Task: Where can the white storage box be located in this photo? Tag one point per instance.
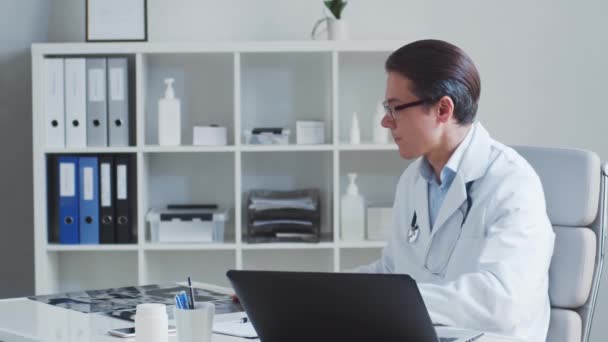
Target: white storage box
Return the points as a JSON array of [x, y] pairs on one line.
[[310, 132], [209, 136], [187, 225]]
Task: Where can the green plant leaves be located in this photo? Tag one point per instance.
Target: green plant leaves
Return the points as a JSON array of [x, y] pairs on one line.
[[335, 7]]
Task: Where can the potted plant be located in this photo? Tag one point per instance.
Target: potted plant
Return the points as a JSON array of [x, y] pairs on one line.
[[336, 7], [336, 26]]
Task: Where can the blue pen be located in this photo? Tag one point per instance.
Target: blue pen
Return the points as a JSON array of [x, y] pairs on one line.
[[178, 302], [182, 300]]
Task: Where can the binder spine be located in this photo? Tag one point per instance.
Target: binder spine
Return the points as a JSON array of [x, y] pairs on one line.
[[124, 226], [68, 200], [53, 199], [89, 200], [118, 102], [75, 102], [107, 222], [97, 111], [54, 105]]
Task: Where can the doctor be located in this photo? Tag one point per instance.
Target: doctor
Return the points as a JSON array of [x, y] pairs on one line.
[[470, 222]]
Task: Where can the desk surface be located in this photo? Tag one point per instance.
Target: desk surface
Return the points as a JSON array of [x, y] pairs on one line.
[[24, 320]]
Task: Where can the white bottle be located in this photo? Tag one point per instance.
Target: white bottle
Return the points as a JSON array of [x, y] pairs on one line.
[[151, 323], [380, 133], [352, 212], [355, 134], [169, 117]]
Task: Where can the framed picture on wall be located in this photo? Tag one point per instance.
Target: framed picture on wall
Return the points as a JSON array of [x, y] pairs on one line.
[[116, 20]]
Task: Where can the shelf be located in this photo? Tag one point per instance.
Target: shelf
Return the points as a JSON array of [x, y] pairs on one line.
[[189, 246], [351, 258], [287, 245], [186, 149], [209, 266], [367, 147], [306, 260], [361, 244], [202, 47], [182, 178], [360, 97], [285, 148], [377, 177], [87, 150], [91, 248], [93, 270], [202, 82], [239, 85]]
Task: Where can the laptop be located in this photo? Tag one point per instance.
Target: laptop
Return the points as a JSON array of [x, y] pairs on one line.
[[311, 306]]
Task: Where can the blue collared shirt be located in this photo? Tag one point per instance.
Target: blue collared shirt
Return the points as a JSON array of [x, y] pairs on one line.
[[436, 191]]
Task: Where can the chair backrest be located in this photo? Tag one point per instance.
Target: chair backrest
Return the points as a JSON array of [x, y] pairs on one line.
[[574, 182]]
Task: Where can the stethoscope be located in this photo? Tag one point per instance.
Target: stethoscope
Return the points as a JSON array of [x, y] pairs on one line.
[[414, 231]]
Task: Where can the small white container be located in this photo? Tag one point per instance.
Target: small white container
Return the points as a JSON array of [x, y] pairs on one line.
[[310, 132], [209, 136], [151, 323], [195, 325]]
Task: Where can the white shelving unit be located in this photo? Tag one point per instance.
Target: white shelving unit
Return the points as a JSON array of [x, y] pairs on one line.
[[239, 85]]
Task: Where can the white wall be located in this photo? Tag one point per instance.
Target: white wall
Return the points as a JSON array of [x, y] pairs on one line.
[[21, 23], [542, 62]]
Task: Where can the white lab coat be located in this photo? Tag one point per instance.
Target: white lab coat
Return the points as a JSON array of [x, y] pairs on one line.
[[491, 273]]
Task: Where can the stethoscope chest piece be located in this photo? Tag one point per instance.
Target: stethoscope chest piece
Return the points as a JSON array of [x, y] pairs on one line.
[[412, 234]]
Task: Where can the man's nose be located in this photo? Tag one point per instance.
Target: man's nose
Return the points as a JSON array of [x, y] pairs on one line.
[[387, 122]]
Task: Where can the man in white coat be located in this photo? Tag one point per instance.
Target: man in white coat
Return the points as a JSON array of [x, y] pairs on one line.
[[470, 221]]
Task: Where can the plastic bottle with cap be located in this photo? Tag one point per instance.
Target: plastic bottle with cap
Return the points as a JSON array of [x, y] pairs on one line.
[[380, 134], [169, 117], [352, 212], [355, 133], [151, 323]]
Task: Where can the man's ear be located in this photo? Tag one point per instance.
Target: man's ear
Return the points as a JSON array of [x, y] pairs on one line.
[[445, 109]]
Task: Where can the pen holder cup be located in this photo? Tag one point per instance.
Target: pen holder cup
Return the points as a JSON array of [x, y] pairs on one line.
[[195, 325]]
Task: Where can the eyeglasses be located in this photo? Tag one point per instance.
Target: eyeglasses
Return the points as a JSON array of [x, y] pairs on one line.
[[390, 111]]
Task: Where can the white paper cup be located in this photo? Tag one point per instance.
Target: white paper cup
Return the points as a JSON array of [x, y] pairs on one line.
[[195, 325]]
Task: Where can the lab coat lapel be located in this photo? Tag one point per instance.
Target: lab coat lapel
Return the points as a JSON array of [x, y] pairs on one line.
[[473, 165], [421, 206], [455, 197]]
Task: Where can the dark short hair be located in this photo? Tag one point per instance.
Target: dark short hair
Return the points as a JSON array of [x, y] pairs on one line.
[[436, 69]]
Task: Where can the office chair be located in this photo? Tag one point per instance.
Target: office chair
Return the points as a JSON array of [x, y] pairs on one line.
[[575, 184]]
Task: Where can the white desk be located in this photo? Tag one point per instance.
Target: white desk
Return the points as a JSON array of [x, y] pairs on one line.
[[24, 320]]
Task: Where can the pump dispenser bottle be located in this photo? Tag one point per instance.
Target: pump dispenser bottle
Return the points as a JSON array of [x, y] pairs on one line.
[[380, 134], [352, 212], [169, 117]]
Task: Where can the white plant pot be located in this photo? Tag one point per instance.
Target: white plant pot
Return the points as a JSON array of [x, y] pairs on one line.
[[337, 29]]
